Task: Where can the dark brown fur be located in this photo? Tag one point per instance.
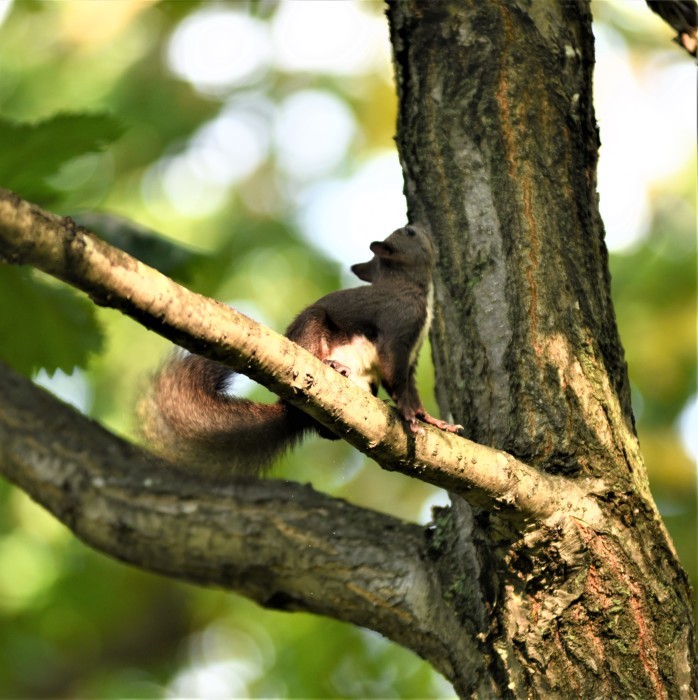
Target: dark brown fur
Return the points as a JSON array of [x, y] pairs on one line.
[[372, 334]]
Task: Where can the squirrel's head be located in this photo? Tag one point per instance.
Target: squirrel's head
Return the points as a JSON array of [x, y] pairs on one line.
[[407, 249]]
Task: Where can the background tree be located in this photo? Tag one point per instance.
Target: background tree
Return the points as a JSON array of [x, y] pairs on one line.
[[206, 274]]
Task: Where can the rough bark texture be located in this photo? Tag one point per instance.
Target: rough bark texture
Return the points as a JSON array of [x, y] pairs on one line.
[[281, 544], [499, 143]]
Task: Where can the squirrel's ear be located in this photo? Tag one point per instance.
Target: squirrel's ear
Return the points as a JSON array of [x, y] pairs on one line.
[[365, 271], [382, 249]]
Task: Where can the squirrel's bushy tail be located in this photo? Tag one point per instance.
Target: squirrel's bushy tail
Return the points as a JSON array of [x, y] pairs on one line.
[[188, 419]]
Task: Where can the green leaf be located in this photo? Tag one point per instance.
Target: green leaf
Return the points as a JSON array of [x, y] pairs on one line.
[[31, 153], [44, 325]]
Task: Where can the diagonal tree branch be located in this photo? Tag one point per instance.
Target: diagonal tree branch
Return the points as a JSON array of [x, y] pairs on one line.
[[348, 563], [486, 477]]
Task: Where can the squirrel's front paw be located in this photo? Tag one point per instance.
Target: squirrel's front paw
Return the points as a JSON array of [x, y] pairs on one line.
[[415, 426], [338, 366]]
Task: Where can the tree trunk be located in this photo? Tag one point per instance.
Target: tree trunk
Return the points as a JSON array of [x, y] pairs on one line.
[[498, 142]]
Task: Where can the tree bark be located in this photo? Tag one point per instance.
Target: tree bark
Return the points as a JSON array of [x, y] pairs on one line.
[[281, 544], [498, 142], [491, 478]]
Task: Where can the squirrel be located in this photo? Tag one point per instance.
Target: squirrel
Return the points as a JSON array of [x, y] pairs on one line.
[[371, 334]]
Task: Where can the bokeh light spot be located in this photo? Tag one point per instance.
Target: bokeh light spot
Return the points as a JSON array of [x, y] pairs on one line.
[[216, 49], [343, 216], [329, 37], [688, 428], [313, 132]]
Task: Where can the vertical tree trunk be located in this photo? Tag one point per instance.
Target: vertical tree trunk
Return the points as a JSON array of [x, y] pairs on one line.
[[498, 140]]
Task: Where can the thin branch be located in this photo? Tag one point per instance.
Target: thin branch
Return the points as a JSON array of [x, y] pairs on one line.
[[484, 476], [348, 563]]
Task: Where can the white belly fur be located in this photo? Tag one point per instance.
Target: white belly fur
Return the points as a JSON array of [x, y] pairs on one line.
[[361, 359], [360, 356]]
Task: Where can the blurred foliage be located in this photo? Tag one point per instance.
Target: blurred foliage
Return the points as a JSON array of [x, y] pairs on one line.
[[32, 154], [60, 314], [48, 146], [94, 124]]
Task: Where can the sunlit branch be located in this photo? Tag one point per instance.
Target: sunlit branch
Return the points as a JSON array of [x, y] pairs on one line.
[[485, 476]]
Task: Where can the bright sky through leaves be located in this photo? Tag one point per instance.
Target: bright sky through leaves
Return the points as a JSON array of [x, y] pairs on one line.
[[217, 49]]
